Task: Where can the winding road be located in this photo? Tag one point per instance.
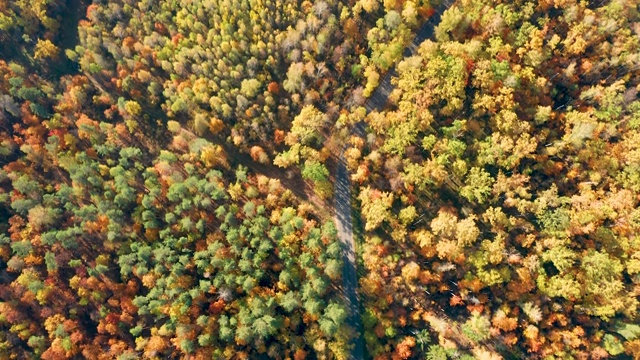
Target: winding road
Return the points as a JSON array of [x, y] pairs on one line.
[[342, 189]]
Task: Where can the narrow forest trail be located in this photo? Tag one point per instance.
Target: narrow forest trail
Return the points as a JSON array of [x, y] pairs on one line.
[[342, 189]]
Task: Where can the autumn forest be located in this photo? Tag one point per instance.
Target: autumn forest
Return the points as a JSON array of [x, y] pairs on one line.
[[319, 179]]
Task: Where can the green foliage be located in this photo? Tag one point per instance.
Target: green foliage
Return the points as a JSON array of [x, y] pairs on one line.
[[315, 171], [477, 328], [50, 261], [628, 331], [477, 186], [612, 345], [305, 128], [436, 352]]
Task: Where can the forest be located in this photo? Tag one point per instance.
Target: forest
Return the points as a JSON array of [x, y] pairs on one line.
[[319, 179]]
